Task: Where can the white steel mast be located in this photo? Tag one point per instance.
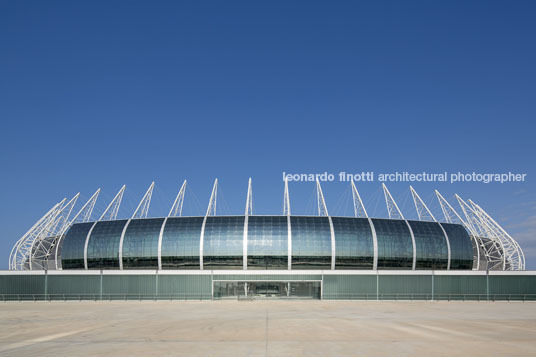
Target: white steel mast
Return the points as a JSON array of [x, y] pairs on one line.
[[176, 208]]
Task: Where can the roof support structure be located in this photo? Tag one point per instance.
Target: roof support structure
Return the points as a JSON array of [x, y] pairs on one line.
[[110, 213], [286, 212], [249, 200], [286, 200], [211, 210], [451, 216], [249, 211], [44, 243], [143, 207], [359, 207], [83, 215], [321, 203], [422, 210], [20, 253], [492, 248], [176, 208], [514, 258], [392, 207]]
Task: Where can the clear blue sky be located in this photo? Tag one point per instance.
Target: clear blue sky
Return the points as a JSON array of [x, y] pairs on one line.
[[104, 93]]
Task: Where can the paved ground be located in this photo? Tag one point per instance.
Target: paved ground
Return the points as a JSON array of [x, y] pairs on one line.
[[267, 328]]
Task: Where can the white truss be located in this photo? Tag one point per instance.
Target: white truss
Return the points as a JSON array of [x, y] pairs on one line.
[[19, 257], [321, 203], [211, 209], [514, 259], [249, 200], [83, 215], [43, 246], [489, 243], [392, 207], [359, 207], [286, 200], [451, 216], [143, 207], [422, 210], [110, 213], [176, 208]]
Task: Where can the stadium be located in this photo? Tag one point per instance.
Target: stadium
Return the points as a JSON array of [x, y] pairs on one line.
[[69, 255]]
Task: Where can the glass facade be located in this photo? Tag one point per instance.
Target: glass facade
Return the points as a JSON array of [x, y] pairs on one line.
[[140, 243], [103, 246], [430, 245], [461, 249], [72, 248], [180, 243], [395, 246], [354, 245], [223, 243], [311, 242], [267, 242]]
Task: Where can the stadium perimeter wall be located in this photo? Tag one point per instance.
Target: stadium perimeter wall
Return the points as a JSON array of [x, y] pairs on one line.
[[335, 285]]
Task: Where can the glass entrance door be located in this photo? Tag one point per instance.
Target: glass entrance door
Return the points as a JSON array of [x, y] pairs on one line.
[[267, 289]]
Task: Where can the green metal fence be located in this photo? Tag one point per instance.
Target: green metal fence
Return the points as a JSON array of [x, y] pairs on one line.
[[354, 286]]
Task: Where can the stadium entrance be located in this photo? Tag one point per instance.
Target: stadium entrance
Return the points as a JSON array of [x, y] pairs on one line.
[[267, 289]]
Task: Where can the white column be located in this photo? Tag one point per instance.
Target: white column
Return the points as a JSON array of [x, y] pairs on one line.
[[121, 244], [375, 244], [160, 243]]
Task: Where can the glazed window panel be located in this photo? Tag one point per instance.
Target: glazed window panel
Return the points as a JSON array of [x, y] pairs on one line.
[[180, 243], [223, 242], [395, 246], [461, 248], [430, 245], [311, 242], [72, 249], [140, 244], [103, 246], [354, 245], [267, 242]]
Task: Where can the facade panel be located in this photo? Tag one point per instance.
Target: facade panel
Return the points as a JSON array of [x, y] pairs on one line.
[[461, 249], [267, 242], [72, 249], [223, 242], [103, 246], [180, 243], [395, 246], [311, 242], [140, 244], [354, 247], [430, 245]]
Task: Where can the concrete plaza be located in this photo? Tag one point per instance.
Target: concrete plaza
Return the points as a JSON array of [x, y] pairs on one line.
[[267, 328]]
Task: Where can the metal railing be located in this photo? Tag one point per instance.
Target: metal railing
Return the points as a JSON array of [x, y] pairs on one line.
[[328, 296], [429, 296], [103, 297]]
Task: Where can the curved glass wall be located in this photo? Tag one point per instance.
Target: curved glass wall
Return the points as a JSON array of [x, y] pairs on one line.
[[395, 246], [430, 245], [267, 242], [223, 242], [180, 243], [461, 248], [354, 245], [72, 246], [140, 243], [103, 246], [311, 242]]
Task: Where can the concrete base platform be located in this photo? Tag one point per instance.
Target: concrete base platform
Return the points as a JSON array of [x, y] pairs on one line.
[[267, 328]]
